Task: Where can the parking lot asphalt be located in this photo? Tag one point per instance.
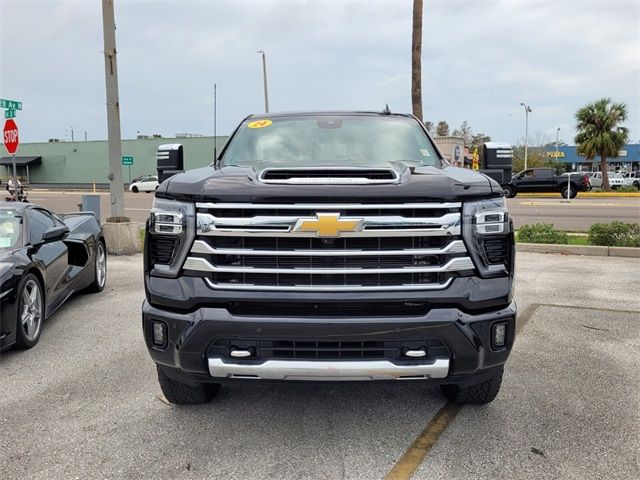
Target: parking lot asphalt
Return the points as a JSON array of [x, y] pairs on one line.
[[85, 403], [575, 216]]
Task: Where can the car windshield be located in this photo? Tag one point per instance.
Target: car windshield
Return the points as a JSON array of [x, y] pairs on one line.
[[330, 140], [10, 228]]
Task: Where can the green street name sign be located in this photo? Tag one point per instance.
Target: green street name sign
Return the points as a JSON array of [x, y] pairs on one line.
[[10, 104], [127, 161], [9, 113]]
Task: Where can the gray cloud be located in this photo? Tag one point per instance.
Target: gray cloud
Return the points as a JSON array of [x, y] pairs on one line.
[[481, 59]]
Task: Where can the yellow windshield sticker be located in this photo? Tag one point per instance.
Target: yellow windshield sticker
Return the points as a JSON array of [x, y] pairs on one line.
[[259, 123]]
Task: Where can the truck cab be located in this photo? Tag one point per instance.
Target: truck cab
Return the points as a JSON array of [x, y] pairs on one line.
[[535, 179]]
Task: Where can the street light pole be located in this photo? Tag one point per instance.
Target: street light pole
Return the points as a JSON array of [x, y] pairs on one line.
[[264, 78], [557, 133], [527, 109]]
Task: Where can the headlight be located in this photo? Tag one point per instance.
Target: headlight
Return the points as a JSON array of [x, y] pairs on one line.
[[170, 232], [487, 230]]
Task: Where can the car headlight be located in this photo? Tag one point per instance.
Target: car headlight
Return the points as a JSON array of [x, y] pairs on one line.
[[170, 232], [488, 233]]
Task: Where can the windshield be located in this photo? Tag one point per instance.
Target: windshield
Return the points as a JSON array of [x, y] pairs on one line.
[[326, 140], [10, 228]]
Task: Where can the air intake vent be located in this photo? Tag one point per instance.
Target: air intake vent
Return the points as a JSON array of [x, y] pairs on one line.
[[328, 176], [496, 250], [162, 248]]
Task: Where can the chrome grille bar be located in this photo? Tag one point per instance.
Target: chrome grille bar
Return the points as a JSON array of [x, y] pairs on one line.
[[456, 246], [372, 226], [320, 207], [453, 265], [327, 288], [400, 232]]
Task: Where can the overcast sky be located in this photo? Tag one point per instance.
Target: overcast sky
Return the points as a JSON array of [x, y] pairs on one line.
[[480, 60]]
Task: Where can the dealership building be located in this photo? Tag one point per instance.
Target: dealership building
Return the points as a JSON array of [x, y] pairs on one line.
[[628, 159], [84, 163]]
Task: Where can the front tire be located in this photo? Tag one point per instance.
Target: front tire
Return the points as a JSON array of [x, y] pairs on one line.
[[100, 269], [476, 394], [134, 189], [509, 191], [30, 312], [183, 394]]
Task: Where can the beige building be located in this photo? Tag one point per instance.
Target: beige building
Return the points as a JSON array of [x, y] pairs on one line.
[[452, 148]]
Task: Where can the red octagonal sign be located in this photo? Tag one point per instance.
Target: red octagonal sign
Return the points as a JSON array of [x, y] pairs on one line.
[[10, 136]]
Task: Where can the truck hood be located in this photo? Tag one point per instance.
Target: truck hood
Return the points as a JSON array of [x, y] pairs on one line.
[[242, 184]]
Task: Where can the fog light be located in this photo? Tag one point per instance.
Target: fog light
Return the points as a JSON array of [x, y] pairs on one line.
[[242, 353], [159, 334], [414, 352], [499, 335]]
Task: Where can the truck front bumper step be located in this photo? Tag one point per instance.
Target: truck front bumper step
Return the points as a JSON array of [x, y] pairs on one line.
[[329, 370]]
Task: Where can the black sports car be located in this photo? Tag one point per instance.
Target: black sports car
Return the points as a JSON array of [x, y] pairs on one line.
[[44, 259]]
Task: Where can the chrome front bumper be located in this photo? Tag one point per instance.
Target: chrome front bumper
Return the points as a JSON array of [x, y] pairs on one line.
[[329, 371]]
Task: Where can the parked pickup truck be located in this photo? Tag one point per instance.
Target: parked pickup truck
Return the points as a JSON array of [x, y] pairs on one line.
[[329, 247], [632, 179], [546, 180], [616, 180]]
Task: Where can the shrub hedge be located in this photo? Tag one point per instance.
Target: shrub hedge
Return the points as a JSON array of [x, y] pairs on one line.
[[615, 234], [541, 233]]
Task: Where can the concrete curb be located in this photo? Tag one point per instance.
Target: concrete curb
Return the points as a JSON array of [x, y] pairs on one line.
[[591, 250], [581, 194]]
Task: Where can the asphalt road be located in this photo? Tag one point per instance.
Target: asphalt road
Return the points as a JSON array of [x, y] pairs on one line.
[[84, 402], [575, 216]]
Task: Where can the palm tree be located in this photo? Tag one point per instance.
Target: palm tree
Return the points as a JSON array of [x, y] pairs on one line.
[[416, 60], [600, 132]]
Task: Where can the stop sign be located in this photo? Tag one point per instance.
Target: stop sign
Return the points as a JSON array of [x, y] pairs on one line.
[[10, 136]]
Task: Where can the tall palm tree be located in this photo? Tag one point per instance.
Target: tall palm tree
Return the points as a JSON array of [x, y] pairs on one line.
[[600, 132], [416, 60]]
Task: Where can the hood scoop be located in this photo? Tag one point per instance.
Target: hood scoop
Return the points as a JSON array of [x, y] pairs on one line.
[[328, 176]]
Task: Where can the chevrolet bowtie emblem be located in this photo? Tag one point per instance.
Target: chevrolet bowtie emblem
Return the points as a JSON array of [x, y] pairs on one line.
[[328, 225]]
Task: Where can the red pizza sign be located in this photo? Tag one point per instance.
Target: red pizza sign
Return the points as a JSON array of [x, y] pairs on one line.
[[10, 136]]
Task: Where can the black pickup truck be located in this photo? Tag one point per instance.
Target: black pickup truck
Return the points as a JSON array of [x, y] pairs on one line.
[[329, 247], [546, 180]]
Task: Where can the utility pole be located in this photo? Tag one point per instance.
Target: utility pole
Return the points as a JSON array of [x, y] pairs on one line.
[[557, 134], [264, 78], [71, 133], [116, 185], [527, 110]]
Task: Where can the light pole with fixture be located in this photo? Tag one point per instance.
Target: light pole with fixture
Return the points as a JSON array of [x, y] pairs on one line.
[[264, 78], [557, 133], [527, 109]]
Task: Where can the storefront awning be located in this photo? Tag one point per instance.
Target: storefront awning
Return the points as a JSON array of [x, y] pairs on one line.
[[21, 161]]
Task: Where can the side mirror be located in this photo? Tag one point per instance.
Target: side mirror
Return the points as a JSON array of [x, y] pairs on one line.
[[169, 161], [55, 233]]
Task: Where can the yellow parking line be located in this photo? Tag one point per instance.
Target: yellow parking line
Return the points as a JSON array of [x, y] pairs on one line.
[[578, 204], [413, 457]]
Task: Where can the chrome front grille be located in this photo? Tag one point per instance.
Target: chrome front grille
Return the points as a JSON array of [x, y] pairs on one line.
[[328, 247]]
